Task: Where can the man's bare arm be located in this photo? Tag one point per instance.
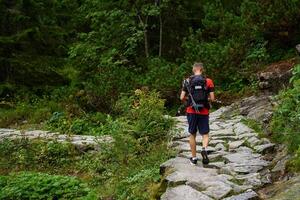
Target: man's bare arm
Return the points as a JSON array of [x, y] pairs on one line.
[[182, 95], [212, 96]]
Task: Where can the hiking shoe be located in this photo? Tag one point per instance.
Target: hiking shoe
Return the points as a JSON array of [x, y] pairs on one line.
[[193, 161], [205, 159]]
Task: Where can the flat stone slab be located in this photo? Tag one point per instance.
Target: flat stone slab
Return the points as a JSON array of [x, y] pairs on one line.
[[222, 132], [248, 195], [264, 147], [82, 142], [241, 128], [235, 144], [184, 192], [236, 162]]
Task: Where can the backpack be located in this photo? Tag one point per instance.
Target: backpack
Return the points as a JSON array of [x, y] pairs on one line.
[[198, 91]]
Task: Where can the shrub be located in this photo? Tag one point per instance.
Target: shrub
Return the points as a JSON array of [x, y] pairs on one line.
[[285, 121], [26, 154], [144, 112], [30, 185]]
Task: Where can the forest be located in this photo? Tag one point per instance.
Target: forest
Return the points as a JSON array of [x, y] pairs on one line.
[[102, 67]]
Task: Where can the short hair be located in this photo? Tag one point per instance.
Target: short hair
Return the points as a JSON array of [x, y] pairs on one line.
[[198, 64]]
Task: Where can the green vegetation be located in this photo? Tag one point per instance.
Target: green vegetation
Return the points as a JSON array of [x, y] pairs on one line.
[[31, 185], [82, 55], [71, 66], [285, 122], [256, 126], [125, 169]]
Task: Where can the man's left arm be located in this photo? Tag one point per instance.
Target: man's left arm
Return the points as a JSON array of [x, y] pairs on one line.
[[211, 89]]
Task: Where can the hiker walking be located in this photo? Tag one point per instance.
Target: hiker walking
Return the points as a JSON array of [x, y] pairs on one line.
[[199, 92]]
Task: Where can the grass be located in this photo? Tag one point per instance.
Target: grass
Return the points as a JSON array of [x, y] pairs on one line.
[[256, 126], [127, 169]]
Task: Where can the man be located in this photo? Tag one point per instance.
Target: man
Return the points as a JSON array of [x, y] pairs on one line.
[[200, 92]]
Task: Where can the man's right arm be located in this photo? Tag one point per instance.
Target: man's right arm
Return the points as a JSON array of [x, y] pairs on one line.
[[183, 91], [182, 95], [212, 96]]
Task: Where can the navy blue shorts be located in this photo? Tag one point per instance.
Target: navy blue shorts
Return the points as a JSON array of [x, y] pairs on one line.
[[198, 123]]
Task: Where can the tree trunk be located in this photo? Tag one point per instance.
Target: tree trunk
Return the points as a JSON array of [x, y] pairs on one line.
[[160, 35], [144, 24], [146, 43]]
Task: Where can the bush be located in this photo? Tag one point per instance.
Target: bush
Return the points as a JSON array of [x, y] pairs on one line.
[[144, 112], [39, 155], [285, 122], [30, 185]]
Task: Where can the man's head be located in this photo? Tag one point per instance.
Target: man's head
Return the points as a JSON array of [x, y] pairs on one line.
[[198, 68]]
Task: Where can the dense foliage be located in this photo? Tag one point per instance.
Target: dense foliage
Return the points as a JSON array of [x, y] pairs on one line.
[[72, 66], [43, 186], [128, 168], [286, 120], [94, 50]]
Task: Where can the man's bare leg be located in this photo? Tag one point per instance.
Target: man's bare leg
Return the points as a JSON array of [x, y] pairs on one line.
[[205, 139], [193, 144]]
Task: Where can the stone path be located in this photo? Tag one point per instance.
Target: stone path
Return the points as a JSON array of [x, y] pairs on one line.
[[82, 142], [237, 166]]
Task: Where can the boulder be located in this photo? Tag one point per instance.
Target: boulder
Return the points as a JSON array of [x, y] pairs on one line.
[[184, 192], [235, 144], [248, 195], [298, 48], [264, 147], [276, 76]]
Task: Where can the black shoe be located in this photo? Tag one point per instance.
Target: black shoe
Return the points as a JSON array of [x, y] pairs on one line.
[[205, 159], [193, 161]]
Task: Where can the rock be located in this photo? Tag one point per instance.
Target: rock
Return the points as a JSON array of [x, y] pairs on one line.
[[216, 165], [218, 190], [298, 48], [241, 128], [82, 142], [241, 168], [224, 137], [232, 173], [214, 127], [235, 144], [222, 132], [248, 195], [257, 108], [247, 135], [275, 76], [184, 192], [281, 165], [284, 190], [253, 141], [180, 132], [244, 162], [245, 158], [215, 142], [264, 148], [280, 160], [4, 130], [220, 147], [218, 113], [252, 179]]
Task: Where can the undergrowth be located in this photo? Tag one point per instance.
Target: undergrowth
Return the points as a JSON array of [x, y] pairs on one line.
[[285, 123], [127, 169]]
